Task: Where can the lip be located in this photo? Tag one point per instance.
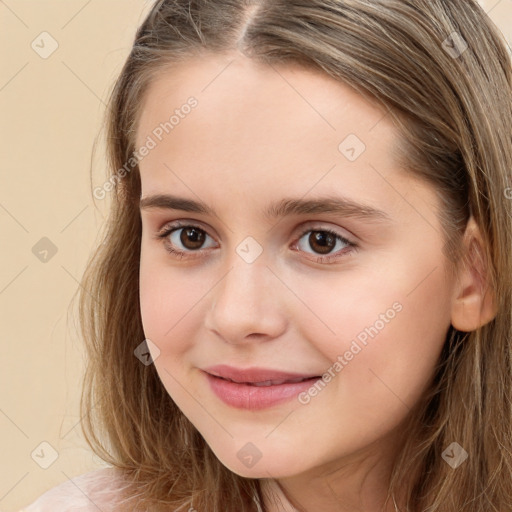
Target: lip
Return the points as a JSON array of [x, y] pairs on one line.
[[254, 374], [239, 387]]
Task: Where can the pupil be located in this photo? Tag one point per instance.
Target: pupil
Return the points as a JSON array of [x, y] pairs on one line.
[[325, 241], [193, 235]]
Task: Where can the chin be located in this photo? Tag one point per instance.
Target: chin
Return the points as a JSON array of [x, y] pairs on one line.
[[248, 464]]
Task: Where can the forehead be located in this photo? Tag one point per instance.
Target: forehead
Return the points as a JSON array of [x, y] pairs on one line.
[[258, 128], [272, 96]]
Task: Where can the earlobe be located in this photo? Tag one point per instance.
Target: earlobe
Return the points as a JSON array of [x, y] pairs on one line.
[[473, 303]]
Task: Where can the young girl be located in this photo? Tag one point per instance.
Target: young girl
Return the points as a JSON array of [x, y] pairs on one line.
[[303, 297]]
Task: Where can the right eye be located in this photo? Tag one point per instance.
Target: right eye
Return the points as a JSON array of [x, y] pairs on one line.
[[190, 237]]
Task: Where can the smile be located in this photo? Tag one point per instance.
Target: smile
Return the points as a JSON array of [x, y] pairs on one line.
[[256, 388]]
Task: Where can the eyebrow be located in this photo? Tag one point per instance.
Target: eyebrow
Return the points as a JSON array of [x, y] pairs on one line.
[[288, 206]]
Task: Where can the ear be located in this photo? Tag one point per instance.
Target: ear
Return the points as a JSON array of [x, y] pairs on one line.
[[473, 302]]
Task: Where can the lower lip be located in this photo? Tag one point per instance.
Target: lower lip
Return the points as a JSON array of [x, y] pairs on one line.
[[245, 396]]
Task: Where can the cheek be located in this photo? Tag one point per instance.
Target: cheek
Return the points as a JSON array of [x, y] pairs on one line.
[[387, 325], [167, 301], [171, 309]]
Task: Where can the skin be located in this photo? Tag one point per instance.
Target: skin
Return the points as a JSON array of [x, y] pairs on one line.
[[260, 134]]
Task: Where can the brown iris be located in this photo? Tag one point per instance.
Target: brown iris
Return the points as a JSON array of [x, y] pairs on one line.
[[192, 238], [323, 240]]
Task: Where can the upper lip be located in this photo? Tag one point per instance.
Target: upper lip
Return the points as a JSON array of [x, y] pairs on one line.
[[255, 374]]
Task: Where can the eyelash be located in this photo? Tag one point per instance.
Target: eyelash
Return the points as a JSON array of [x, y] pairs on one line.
[[169, 229]]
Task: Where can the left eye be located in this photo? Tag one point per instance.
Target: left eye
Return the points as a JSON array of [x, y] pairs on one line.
[[324, 241]]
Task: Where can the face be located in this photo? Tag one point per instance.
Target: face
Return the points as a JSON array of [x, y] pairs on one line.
[[314, 257]]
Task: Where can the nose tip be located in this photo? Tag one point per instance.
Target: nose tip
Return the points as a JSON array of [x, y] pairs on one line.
[[245, 306], [237, 338]]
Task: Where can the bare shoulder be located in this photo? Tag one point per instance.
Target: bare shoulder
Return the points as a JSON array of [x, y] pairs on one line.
[[99, 489]]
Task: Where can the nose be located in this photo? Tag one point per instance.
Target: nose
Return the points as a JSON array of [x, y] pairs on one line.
[[247, 304]]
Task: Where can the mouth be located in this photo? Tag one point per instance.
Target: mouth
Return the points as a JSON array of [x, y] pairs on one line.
[[256, 388], [257, 376], [267, 383]]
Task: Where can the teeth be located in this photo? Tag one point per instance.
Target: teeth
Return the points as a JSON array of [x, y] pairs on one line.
[[276, 382], [266, 383], [269, 382]]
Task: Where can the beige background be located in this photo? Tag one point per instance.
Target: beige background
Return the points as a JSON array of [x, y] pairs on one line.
[[51, 113]]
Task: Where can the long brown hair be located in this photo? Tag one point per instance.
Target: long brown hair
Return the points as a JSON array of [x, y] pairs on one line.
[[443, 71]]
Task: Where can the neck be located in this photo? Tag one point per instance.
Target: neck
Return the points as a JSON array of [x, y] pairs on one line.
[[359, 483]]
